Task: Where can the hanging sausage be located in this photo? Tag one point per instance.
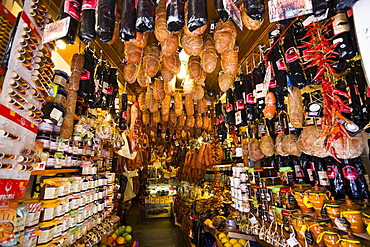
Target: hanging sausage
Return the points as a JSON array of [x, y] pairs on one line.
[[145, 16], [127, 29], [87, 24], [106, 20]]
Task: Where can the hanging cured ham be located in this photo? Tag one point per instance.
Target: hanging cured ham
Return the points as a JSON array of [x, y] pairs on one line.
[[161, 32], [225, 36], [229, 61], [141, 40], [130, 71], [133, 54], [170, 86], [198, 92], [202, 106], [167, 75], [195, 69], [158, 91], [170, 45], [189, 106], [142, 79], [172, 63], [209, 56], [192, 45], [151, 62], [188, 86], [150, 102], [225, 81], [179, 106]]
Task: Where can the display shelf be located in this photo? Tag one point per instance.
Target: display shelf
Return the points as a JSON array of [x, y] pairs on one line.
[[55, 171]]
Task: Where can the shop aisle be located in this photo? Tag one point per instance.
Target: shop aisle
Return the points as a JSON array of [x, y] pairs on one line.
[[154, 232]]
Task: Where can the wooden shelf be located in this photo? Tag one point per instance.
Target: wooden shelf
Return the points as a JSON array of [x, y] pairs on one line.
[[54, 171]]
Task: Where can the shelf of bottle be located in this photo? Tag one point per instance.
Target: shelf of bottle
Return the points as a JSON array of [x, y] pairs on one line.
[[54, 171]]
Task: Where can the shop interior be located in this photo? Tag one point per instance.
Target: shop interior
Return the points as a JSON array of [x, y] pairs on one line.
[[172, 123]]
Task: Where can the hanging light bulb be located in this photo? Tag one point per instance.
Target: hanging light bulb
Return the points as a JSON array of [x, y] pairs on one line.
[[183, 70]]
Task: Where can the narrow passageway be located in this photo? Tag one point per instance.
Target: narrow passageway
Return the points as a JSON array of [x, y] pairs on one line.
[[160, 232]]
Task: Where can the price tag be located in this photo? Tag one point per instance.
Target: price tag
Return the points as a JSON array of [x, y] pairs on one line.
[[292, 241], [56, 30], [253, 220]]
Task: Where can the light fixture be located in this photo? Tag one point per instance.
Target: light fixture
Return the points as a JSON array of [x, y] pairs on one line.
[[183, 56], [60, 44], [183, 70]]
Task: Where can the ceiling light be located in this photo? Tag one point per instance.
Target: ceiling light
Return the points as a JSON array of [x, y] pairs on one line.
[[183, 56], [183, 70], [60, 44]]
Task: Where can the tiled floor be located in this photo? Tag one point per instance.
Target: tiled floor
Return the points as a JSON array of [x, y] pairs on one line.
[[154, 232]]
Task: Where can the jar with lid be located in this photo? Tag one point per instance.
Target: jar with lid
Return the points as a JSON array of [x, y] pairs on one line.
[[287, 198], [301, 196], [317, 197], [49, 189], [366, 216], [352, 212], [269, 195], [30, 236], [58, 230], [286, 175], [278, 202], [350, 241], [279, 215], [332, 209], [286, 215], [315, 224], [46, 232], [258, 174], [297, 221], [330, 236], [73, 218]]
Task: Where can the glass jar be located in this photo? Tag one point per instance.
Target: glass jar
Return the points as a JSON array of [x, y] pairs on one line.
[[279, 215], [277, 196], [46, 232], [286, 175], [287, 198]]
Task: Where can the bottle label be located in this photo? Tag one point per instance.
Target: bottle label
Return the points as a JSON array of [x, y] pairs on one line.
[[310, 174], [229, 107], [340, 24], [240, 104], [332, 172], [89, 4], [238, 118], [323, 178], [85, 75], [298, 171], [291, 55], [56, 114], [73, 8], [350, 172], [250, 98], [107, 88], [280, 64]]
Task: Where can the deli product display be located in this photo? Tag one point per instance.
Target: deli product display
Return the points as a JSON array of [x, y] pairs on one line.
[[230, 123]]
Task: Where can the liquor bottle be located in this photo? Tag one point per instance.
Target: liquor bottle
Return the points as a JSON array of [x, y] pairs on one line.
[[123, 119], [322, 175], [361, 181], [336, 178], [240, 113], [249, 98], [220, 123], [350, 178], [342, 37], [167, 136], [230, 107], [70, 9]]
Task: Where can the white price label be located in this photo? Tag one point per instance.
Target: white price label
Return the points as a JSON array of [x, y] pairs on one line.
[[253, 220]]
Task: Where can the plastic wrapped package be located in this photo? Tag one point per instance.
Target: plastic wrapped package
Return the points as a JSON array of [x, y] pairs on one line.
[[87, 84], [175, 15], [106, 19], [127, 29], [197, 14], [87, 24], [221, 11], [343, 5], [145, 16], [255, 9]]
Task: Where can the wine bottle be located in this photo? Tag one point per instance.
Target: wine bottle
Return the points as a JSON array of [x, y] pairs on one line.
[[220, 123], [70, 9], [350, 177], [230, 107], [249, 98], [240, 113], [342, 37], [123, 119], [322, 175], [336, 178], [361, 181]]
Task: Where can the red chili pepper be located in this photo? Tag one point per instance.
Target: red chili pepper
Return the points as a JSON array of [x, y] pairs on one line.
[[339, 92], [334, 154]]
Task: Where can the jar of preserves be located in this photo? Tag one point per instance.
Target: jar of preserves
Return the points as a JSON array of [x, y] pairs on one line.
[[317, 197], [331, 207], [350, 241], [286, 175], [352, 212], [287, 198], [366, 216], [297, 221], [278, 200], [301, 196], [330, 236], [315, 224]]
